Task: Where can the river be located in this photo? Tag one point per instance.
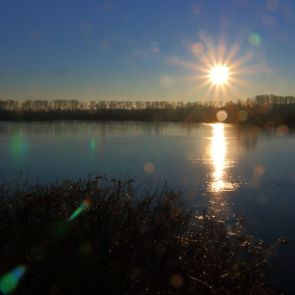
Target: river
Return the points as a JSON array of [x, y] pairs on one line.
[[244, 171]]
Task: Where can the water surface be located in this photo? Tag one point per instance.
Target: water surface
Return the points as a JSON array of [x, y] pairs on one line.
[[242, 171]]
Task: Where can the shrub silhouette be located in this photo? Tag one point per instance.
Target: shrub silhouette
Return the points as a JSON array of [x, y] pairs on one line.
[[118, 243]]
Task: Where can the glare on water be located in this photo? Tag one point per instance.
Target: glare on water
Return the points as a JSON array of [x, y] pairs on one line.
[[220, 160]]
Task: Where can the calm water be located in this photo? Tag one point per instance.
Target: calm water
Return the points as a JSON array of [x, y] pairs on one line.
[[247, 172]]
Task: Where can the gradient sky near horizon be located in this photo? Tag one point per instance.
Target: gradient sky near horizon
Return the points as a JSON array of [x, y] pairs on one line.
[[137, 49]]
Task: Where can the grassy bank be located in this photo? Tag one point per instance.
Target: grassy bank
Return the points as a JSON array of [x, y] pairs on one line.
[[98, 237]]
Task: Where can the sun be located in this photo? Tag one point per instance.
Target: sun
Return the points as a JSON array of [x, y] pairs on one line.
[[219, 75]]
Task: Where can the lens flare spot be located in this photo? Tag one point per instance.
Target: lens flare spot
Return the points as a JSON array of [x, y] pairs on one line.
[[242, 116], [259, 171], [221, 115], [282, 130], [255, 39], [84, 206], [197, 48], [176, 281], [92, 144], [18, 146], [149, 168], [9, 281]]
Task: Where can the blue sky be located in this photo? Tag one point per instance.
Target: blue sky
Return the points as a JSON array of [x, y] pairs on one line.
[[127, 49]]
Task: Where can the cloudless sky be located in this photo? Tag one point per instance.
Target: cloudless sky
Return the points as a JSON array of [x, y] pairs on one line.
[[143, 49]]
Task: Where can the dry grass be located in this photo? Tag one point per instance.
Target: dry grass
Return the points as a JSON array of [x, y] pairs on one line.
[[120, 244]]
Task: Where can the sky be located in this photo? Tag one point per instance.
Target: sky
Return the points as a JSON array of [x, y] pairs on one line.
[[145, 49]]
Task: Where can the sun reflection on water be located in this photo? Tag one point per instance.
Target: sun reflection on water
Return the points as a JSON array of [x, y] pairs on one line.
[[219, 158], [218, 153]]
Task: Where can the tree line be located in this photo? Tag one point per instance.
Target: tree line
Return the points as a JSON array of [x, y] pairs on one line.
[[79, 105], [259, 110], [76, 105]]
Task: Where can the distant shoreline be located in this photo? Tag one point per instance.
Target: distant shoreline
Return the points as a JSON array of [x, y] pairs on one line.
[[277, 116], [263, 111]]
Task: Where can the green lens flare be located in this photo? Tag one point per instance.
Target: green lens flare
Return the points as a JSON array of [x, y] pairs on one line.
[[9, 281], [18, 145], [255, 39], [85, 205], [93, 145]]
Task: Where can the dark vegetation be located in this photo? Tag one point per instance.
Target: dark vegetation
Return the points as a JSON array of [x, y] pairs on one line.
[[263, 110], [117, 243]]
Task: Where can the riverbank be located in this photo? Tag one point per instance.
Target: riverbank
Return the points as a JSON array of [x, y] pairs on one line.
[[266, 111], [265, 116], [98, 236]]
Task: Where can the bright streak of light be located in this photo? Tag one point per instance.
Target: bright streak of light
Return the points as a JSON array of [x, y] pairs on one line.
[[10, 280], [84, 206], [218, 154]]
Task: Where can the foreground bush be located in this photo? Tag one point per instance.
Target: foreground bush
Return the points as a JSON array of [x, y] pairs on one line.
[[96, 237]]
